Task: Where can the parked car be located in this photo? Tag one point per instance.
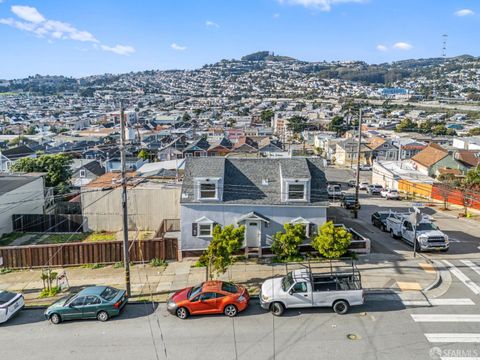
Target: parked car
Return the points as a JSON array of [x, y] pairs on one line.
[[334, 192], [302, 288], [363, 186], [94, 302], [210, 297], [365, 167], [374, 189], [379, 219], [390, 194], [349, 201], [427, 235], [352, 183], [10, 304]]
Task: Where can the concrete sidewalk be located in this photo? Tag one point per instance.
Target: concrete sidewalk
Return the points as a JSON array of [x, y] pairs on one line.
[[380, 273]]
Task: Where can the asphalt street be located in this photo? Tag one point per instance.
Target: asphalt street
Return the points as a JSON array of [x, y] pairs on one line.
[[386, 327]]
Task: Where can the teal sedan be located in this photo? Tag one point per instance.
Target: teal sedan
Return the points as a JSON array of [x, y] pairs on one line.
[[96, 302]]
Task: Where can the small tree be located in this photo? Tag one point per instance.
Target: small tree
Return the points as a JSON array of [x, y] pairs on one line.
[[56, 166], [286, 244], [143, 154], [218, 256], [332, 242]]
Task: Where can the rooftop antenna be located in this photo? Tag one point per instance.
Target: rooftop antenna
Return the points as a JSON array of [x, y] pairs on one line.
[[444, 46]]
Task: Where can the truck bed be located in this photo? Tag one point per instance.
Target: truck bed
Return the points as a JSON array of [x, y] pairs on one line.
[[338, 281]]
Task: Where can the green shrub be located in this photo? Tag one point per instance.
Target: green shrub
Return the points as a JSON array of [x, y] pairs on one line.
[[332, 242], [118, 264], [158, 262], [49, 292], [286, 244], [93, 266], [5, 270]]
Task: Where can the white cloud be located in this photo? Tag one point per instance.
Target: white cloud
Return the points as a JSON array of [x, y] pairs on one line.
[[323, 5], [177, 47], [119, 49], [381, 47], [211, 24], [33, 21], [464, 12], [402, 46], [27, 13], [276, 15]]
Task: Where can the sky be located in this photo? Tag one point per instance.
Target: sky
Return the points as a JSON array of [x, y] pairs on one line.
[[87, 37]]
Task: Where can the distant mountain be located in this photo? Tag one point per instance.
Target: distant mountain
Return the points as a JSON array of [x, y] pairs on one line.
[[265, 56]]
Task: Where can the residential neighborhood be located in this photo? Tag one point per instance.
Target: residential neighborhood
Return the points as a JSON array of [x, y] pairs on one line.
[[169, 190]]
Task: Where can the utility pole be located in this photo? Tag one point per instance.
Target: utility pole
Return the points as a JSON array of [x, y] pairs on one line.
[[357, 182], [126, 258]]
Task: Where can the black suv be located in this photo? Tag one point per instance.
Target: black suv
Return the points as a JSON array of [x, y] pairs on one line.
[[379, 219], [349, 201]]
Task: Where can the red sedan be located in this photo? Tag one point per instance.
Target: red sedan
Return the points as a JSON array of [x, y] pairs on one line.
[[210, 297]]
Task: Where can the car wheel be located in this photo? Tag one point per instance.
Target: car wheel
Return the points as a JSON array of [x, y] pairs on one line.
[[102, 316], [55, 319], [392, 234], [382, 227], [230, 310], [444, 250], [277, 308], [182, 313], [418, 248], [340, 307]]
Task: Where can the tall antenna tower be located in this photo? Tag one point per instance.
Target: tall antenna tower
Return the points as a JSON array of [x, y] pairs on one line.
[[444, 46]]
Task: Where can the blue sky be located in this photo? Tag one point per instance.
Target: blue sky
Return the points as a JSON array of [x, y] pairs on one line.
[[78, 38]]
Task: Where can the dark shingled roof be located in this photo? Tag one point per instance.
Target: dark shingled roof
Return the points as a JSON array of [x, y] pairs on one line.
[[10, 183], [244, 179]]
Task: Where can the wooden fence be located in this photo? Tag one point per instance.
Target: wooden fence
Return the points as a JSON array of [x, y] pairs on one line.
[[47, 223], [71, 254]]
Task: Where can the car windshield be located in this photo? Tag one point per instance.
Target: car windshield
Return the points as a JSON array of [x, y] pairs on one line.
[[109, 293], [194, 291], [65, 299], [384, 216], [229, 287], [426, 227], [287, 282]]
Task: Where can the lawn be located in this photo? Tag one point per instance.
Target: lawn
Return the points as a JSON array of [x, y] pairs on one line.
[[7, 239], [101, 236], [64, 238]]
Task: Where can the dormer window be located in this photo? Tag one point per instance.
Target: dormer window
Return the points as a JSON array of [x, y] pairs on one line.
[[208, 189], [296, 191]]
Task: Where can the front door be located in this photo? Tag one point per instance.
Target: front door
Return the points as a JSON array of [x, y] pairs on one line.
[[252, 232], [74, 310]]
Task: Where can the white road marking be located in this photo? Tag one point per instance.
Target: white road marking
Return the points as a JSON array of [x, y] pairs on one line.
[[459, 358], [445, 317], [439, 302], [463, 278], [453, 338], [472, 266]]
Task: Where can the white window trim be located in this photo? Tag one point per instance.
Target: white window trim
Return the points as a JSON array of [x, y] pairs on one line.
[[304, 182], [200, 181], [83, 173], [204, 221]]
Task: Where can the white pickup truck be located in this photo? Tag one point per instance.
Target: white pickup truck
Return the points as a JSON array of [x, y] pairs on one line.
[[428, 236], [303, 289]]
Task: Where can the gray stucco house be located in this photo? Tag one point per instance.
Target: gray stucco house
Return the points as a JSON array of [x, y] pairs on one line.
[[262, 194]]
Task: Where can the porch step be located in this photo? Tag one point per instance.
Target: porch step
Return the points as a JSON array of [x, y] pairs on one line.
[[253, 252]]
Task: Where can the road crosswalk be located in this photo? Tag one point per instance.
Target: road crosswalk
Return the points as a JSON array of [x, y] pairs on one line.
[[456, 313]]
